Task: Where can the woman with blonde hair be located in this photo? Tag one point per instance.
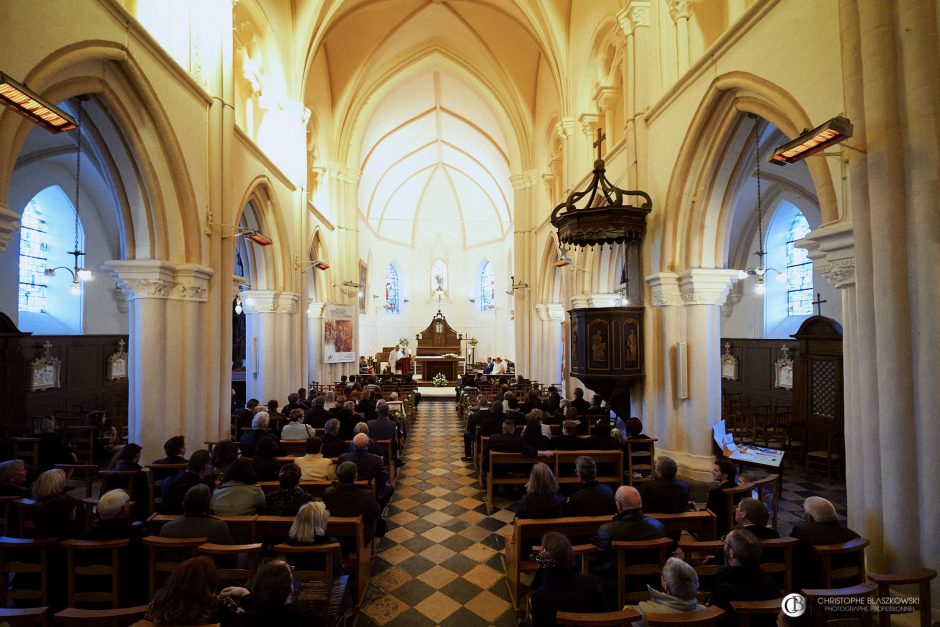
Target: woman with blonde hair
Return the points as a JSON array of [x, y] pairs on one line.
[[57, 514], [309, 529], [541, 498]]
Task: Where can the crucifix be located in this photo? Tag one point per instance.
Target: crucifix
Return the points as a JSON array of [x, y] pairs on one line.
[[601, 136], [818, 303]]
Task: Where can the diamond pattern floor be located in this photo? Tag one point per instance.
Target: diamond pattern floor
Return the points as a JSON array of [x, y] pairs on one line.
[[440, 562]]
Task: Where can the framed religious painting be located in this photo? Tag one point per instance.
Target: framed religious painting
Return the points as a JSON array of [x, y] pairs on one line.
[[729, 364], [117, 363], [44, 371], [363, 285], [783, 370]]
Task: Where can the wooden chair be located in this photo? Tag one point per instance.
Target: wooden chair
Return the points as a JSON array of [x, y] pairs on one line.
[[920, 577], [633, 560], [166, 555], [110, 567], [26, 556], [27, 449], [699, 618], [114, 479], [744, 610], [159, 472], [777, 559], [115, 617], [25, 510], [795, 444], [23, 616], [86, 473], [640, 455], [581, 552], [236, 575], [830, 459], [6, 507], [83, 443], [706, 571], [599, 619], [767, 491], [852, 551]]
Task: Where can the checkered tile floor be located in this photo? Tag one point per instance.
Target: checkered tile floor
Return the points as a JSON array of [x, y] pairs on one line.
[[440, 562]]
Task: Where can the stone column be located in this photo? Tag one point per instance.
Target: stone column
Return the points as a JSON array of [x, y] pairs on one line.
[[194, 356], [703, 292], [679, 11], [606, 98], [589, 122], [9, 224], [154, 381], [663, 331], [634, 20], [262, 366], [525, 195], [549, 353], [316, 369], [566, 131], [290, 375]]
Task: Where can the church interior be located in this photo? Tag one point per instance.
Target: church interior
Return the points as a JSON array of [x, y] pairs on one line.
[[234, 199]]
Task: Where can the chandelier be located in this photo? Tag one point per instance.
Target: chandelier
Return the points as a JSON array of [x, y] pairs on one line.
[[759, 271], [78, 272]]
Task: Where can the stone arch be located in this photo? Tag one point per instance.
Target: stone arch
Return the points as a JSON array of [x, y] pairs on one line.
[[166, 223], [259, 209], [319, 281], [698, 234], [549, 285]]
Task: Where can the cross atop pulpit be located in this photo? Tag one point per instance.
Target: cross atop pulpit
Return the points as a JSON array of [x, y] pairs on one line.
[[599, 143], [818, 304]]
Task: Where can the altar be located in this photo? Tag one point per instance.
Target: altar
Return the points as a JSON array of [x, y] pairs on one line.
[[431, 365], [438, 350]]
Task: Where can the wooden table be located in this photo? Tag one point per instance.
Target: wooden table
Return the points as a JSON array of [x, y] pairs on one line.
[[431, 365]]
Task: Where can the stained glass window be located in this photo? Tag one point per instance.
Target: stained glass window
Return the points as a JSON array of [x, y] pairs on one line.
[[799, 270], [34, 248], [392, 299], [487, 287]]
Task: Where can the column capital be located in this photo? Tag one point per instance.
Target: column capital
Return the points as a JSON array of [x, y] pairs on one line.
[[565, 128], [9, 224], [315, 309], [633, 16], [589, 122], [605, 96], [665, 289], [143, 278], [706, 286], [548, 312], [679, 10], [524, 180], [269, 301], [605, 300], [192, 283], [832, 250]]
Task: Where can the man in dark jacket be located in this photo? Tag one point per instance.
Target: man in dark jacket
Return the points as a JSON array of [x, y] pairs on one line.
[[366, 405], [474, 420], [821, 527], [568, 440], [259, 429], [175, 487], [244, 415], [333, 445], [346, 498], [579, 403], [753, 516], [628, 524], [665, 494], [369, 466], [742, 579], [316, 416], [510, 442], [492, 423], [592, 498]]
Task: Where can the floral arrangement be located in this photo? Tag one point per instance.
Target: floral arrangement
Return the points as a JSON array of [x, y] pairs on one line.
[[451, 355], [403, 342], [473, 341], [439, 380]]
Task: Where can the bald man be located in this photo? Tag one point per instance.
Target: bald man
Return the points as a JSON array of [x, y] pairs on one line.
[[821, 527], [369, 466], [629, 523]]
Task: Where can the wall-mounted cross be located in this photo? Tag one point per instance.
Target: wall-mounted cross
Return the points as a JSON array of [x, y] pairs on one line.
[[818, 303], [601, 136]]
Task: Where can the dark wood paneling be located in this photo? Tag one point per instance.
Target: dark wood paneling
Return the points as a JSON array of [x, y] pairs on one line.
[[756, 371]]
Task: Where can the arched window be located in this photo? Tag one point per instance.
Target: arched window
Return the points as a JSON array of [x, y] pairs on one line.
[[487, 287], [392, 295], [47, 304], [34, 244], [799, 270]]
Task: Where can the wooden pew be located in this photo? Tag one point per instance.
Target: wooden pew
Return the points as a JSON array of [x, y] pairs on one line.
[[565, 459], [529, 531], [315, 488], [358, 563]]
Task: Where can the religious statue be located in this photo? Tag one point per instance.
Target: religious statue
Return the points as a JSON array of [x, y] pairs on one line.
[[598, 347], [631, 345]]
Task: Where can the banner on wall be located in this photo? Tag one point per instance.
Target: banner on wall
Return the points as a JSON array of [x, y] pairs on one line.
[[338, 334]]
